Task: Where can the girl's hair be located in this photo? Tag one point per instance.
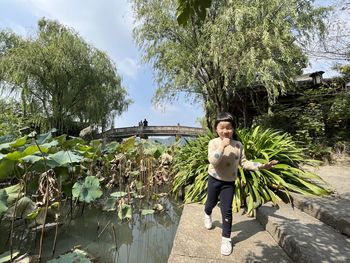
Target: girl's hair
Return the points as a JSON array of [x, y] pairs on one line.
[[224, 116]]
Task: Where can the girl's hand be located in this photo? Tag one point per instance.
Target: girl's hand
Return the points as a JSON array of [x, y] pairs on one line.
[[269, 165], [225, 142]]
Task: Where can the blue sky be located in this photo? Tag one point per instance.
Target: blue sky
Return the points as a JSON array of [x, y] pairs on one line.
[[107, 24]]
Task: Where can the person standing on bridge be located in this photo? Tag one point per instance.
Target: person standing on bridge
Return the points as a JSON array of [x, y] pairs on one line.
[[225, 153]]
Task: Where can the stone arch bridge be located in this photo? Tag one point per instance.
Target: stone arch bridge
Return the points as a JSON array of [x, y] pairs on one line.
[[145, 132]]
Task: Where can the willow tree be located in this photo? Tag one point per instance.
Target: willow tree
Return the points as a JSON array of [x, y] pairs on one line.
[[61, 76], [243, 52]]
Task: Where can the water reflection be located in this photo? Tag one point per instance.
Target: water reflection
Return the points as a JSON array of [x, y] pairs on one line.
[[144, 239]]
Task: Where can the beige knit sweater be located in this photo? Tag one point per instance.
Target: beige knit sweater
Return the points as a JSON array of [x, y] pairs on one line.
[[223, 164]]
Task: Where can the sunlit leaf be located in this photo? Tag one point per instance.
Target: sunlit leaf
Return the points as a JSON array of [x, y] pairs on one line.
[[118, 194], [125, 211], [34, 149], [128, 144], [19, 142], [147, 212], [82, 147], [14, 156], [68, 144], [33, 215]]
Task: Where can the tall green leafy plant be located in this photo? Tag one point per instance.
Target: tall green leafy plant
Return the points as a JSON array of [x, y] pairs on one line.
[[256, 187]]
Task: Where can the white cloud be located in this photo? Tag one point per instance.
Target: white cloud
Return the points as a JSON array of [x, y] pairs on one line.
[[128, 67], [165, 109]]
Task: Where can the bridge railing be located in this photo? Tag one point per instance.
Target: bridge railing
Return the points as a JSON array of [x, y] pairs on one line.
[[153, 131]]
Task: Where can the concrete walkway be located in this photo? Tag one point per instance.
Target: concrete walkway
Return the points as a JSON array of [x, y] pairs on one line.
[[194, 243], [337, 176]]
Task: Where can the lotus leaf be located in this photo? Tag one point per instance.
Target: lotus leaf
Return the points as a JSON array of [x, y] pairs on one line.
[[7, 168], [3, 201], [45, 137], [72, 142], [4, 146], [34, 149], [19, 142], [50, 144], [13, 193], [96, 144], [118, 194], [61, 139], [24, 207], [66, 157], [125, 211], [32, 158], [147, 212], [110, 204], [112, 147], [128, 144], [76, 255], [89, 191], [83, 148], [14, 156]]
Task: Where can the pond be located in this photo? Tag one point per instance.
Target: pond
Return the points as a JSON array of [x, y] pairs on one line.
[[146, 238]]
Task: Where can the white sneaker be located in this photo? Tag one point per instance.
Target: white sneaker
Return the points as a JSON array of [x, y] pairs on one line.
[[207, 221], [226, 246]]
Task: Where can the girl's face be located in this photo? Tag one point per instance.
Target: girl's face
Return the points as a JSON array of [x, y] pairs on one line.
[[225, 129]]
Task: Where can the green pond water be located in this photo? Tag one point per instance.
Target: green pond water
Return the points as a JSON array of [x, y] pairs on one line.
[[145, 239]]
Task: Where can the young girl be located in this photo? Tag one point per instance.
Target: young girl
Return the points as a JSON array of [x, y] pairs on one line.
[[225, 154]]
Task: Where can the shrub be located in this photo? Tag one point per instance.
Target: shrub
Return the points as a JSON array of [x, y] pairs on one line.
[[257, 187]]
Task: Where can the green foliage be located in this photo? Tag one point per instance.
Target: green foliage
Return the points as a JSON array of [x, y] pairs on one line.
[[10, 118], [241, 49], [188, 9], [3, 201], [191, 169], [61, 78], [317, 117], [145, 212], [54, 169], [88, 191], [118, 194], [24, 159], [125, 211]]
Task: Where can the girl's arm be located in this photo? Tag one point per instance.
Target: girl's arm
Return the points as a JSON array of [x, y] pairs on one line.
[[215, 152], [269, 165], [249, 165], [246, 164]]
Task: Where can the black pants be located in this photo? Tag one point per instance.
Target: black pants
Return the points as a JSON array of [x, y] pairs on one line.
[[225, 190]]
